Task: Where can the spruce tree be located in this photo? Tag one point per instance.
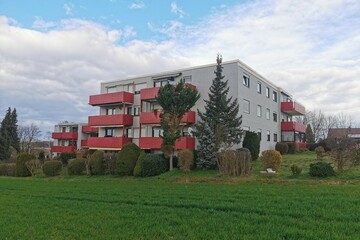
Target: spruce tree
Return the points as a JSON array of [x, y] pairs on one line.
[[221, 113], [206, 152], [13, 131], [5, 137]]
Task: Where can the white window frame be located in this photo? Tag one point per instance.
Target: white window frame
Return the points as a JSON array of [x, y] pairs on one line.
[[246, 80], [259, 111], [247, 106]]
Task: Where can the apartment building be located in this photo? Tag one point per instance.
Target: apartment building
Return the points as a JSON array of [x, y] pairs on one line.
[[128, 111]]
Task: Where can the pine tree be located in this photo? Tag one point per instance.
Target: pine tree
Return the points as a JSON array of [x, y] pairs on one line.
[[13, 131], [4, 137], [221, 113], [309, 134], [206, 152]]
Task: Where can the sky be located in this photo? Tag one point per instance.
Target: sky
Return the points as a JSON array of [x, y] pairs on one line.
[[54, 54]]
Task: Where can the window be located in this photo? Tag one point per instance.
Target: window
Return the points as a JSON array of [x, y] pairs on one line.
[[187, 79], [258, 110], [275, 96], [246, 106], [268, 114], [110, 111], [136, 133], [157, 132], [275, 137], [63, 129], [129, 110], [267, 92], [74, 129], [111, 89], [268, 136], [136, 111], [129, 133], [157, 84], [246, 80], [109, 132], [259, 133], [275, 118], [259, 87]]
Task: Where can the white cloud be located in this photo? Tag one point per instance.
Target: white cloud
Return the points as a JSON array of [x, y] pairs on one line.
[[41, 24], [69, 8], [177, 10], [137, 5]]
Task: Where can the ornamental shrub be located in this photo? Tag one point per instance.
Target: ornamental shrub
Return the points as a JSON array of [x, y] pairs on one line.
[[153, 164], [321, 169], [325, 145], [126, 160], [235, 163], [282, 148], [311, 146], [96, 163], [320, 152], [110, 163], [11, 169], [41, 156], [292, 147], [65, 157], [138, 166], [252, 142], [271, 159], [76, 166], [3, 169], [52, 168], [21, 169], [185, 160], [295, 169]]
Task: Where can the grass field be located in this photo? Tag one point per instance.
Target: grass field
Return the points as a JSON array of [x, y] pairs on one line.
[[199, 205]]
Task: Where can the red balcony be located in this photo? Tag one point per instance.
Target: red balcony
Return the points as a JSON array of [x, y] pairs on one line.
[[292, 126], [149, 93], [292, 108], [84, 143], [154, 118], [108, 142], [109, 120], [64, 135], [63, 149], [155, 143], [111, 98], [89, 129]]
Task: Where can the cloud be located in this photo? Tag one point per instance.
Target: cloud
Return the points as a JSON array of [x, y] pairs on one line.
[[69, 8], [177, 10], [137, 5], [41, 24]]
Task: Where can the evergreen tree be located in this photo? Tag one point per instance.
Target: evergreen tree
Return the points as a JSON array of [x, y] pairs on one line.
[[221, 113], [175, 102], [309, 134], [5, 137], [206, 152], [252, 142], [13, 131]]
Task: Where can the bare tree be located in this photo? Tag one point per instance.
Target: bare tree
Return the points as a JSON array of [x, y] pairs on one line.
[[27, 135]]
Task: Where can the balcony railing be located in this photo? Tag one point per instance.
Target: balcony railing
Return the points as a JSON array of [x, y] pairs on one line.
[[154, 117], [155, 143], [109, 120], [108, 142], [89, 129], [292, 108], [63, 149], [64, 135], [149, 93], [84, 143], [292, 126], [111, 98]]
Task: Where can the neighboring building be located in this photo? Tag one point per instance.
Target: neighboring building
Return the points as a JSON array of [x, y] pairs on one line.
[[353, 133], [128, 111], [70, 137]]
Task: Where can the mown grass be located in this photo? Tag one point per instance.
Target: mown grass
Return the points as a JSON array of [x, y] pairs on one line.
[[196, 205]]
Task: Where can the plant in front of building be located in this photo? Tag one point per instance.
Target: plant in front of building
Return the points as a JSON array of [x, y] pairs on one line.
[[52, 168], [175, 102], [321, 169], [126, 159], [234, 162], [221, 114], [185, 160], [271, 159], [206, 155], [65, 157], [21, 168], [9, 138], [282, 148], [252, 142], [320, 152], [343, 152], [96, 164], [139, 162], [76, 166], [152, 165], [296, 170]]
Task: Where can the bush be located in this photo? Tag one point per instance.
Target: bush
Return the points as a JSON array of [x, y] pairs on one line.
[[11, 169], [76, 166], [311, 146], [324, 144], [252, 142], [33, 165], [65, 157], [292, 147], [138, 166], [282, 148], [153, 164], [110, 163], [235, 163], [21, 169], [320, 152], [3, 169], [96, 163], [321, 169], [52, 168], [185, 160], [271, 159], [41, 156], [295, 169], [126, 160]]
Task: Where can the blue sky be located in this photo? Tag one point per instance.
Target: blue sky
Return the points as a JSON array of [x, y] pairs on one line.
[[54, 54]]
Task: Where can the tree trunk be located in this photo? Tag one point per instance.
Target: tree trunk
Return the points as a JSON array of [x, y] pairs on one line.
[[171, 167]]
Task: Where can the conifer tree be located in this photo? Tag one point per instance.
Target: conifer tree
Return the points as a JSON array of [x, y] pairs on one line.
[[206, 152], [221, 113], [309, 134], [13, 131], [5, 137]]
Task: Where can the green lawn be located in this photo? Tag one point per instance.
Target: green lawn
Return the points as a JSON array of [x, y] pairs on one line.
[[199, 205]]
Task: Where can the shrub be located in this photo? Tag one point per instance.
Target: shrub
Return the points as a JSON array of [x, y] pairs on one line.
[[96, 163], [11, 169], [295, 169], [110, 163], [21, 169], [252, 142], [311, 146], [52, 168], [76, 166], [33, 166], [127, 158], [282, 148], [3, 169], [271, 159], [65, 157], [235, 163], [321, 169], [324, 144], [153, 164], [138, 166], [320, 152], [185, 160], [292, 147], [41, 156]]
